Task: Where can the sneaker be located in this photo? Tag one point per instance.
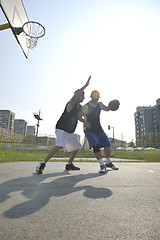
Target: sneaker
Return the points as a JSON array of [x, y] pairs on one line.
[[102, 169], [40, 168], [111, 165], [71, 167]]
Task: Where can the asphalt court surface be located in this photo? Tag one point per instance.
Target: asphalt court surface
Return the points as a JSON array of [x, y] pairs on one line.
[[58, 204]]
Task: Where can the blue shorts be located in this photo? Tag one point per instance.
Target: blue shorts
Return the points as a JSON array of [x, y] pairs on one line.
[[97, 138]]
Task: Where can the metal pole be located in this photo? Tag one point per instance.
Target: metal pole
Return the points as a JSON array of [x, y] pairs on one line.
[[113, 134], [4, 26], [37, 128], [38, 123]]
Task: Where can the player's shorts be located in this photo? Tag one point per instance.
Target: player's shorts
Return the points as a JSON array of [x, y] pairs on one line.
[[97, 138], [68, 141]]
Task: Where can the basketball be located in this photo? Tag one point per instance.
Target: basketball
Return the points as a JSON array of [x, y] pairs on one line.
[[114, 105]]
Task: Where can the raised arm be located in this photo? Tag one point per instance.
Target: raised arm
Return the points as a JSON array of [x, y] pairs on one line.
[[76, 95], [86, 85]]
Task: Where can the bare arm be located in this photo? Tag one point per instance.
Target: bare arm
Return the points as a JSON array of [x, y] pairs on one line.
[[76, 96], [82, 119], [104, 108]]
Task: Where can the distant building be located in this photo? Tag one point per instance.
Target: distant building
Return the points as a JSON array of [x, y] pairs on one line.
[[31, 130], [47, 141], [20, 126], [147, 125], [115, 143], [7, 119]]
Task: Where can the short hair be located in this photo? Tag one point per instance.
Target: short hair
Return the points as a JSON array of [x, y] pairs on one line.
[[95, 94]]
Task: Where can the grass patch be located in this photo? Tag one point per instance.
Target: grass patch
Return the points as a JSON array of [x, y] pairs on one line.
[[146, 156], [20, 156]]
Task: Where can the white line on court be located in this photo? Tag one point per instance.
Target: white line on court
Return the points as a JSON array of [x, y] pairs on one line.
[[151, 171]]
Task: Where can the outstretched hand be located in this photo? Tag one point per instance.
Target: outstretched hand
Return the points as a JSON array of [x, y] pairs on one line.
[[89, 77], [87, 83]]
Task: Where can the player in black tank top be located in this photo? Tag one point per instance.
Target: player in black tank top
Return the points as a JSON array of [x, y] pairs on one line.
[[93, 117], [67, 125], [95, 135], [68, 120]]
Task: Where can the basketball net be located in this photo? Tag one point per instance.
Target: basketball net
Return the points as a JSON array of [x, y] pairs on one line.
[[31, 42]]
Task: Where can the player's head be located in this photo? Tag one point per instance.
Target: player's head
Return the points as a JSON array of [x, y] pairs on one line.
[[95, 94], [80, 95]]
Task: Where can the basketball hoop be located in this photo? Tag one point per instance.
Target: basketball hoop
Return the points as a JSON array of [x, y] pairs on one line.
[[33, 31]]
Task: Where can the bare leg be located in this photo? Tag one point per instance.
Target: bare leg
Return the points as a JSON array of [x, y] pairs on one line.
[[69, 165], [108, 161], [107, 152], [98, 155], [51, 153], [73, 155]]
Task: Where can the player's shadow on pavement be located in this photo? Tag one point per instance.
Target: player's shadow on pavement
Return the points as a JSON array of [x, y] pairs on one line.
[[38, 192]]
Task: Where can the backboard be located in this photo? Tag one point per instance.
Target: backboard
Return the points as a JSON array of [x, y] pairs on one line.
[[16, 16]]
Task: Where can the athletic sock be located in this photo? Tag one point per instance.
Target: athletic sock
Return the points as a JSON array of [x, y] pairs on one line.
[[101, 161], [108, 160]]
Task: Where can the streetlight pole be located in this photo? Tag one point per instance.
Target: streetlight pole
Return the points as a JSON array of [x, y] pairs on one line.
[[37, 116], [113, 134], [109, 127]]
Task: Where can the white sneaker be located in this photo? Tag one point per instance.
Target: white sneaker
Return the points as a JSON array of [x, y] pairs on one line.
[[102, 169], [40, 168], [112, 166]]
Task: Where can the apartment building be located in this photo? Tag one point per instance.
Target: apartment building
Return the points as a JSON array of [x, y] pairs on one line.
[[20, 126], [31, 130], [147, 125], [7, 119]]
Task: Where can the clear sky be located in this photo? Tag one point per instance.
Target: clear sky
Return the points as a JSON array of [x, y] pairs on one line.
[[115, 41]]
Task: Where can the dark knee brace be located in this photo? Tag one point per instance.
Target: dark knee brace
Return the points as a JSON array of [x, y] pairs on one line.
[[96, 148]]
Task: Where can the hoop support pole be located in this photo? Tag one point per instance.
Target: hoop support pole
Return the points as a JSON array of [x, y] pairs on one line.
[[4, 26]]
